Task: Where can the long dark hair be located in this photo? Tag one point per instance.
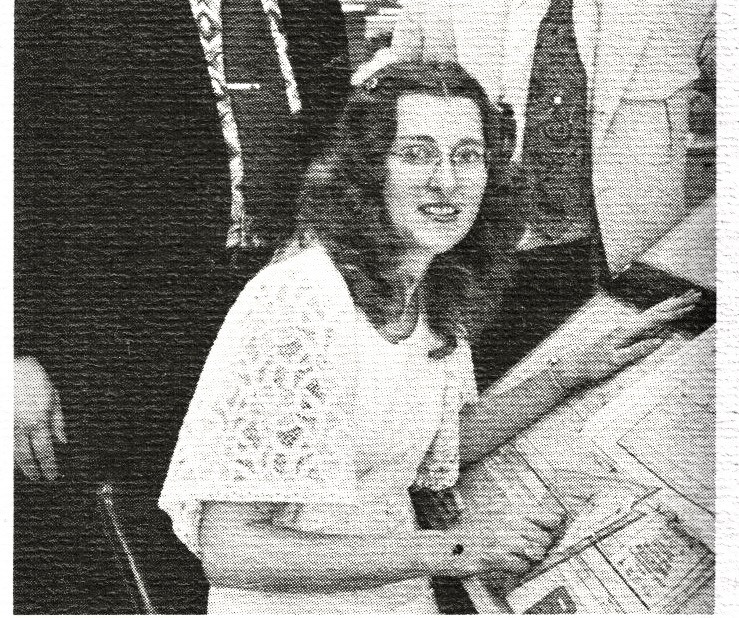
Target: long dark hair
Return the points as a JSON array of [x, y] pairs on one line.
[[341, 203]]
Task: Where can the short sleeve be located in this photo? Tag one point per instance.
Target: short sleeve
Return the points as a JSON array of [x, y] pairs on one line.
[[439, 468], [266, 422]]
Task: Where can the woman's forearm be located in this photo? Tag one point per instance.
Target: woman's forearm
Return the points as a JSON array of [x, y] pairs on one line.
[[259, 556], [497, 417]]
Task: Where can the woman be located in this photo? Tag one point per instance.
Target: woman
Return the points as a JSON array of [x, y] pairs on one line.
[[338, 377]]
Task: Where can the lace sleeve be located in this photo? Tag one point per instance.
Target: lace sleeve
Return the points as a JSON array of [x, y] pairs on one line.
[[266, 422], [440, 467]]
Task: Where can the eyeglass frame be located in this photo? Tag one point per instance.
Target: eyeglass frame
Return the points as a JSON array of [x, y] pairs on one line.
[[431, 167]]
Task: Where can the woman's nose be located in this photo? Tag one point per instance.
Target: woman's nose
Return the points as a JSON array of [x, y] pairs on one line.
[[443, 176]]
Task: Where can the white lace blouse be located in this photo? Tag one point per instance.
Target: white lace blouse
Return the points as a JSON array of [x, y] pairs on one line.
[[301, 401]]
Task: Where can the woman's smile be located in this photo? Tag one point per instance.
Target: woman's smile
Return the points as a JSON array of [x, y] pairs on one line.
[[440, 212]]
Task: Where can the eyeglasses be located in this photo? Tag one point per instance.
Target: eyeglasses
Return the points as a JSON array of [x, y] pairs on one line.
[[468, 159]]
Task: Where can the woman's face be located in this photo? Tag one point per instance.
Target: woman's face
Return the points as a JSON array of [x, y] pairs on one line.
[[436, 171]]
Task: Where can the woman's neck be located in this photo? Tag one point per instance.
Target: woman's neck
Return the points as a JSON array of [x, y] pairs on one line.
[[410, 275], [403, 325], [412, 271]]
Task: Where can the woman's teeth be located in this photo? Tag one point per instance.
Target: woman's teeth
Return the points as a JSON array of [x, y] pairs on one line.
[[441, 212]]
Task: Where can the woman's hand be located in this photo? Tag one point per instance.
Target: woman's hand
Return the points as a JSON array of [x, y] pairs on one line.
[[638, 337], [508, 543]]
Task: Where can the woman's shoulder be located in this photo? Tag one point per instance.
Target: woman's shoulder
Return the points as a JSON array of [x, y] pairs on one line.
[[311, 265], [306, 278]]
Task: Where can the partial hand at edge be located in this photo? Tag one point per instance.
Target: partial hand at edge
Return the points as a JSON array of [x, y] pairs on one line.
[[38, 420]]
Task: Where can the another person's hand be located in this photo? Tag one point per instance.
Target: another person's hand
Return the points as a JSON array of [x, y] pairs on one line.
[[637, 338], [38, 420], [509, 543]]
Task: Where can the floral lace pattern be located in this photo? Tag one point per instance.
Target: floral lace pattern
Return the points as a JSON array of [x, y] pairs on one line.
[[266, 422]]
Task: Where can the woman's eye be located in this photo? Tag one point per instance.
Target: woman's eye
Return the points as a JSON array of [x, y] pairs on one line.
[[417, 154], [469, 155]]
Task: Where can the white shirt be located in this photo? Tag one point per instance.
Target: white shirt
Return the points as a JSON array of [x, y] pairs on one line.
[[301, 401]]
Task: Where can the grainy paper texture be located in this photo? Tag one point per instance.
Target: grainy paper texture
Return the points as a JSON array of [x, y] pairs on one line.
[[344, 307]]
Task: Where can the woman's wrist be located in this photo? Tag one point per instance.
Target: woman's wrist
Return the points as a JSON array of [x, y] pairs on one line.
[[562, 379], [443, 554]]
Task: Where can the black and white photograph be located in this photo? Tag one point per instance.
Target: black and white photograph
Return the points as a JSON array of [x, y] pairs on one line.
[[378, 307]]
